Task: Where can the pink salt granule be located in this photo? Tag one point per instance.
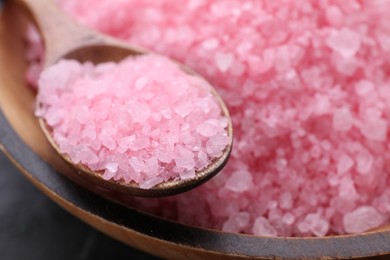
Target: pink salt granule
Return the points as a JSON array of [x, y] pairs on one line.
[[143, 119], [307, 83]]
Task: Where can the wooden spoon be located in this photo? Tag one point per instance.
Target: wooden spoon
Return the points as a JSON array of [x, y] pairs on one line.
[[64, 39]]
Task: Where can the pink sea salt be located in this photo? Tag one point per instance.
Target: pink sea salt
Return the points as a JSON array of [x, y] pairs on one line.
[[262, 227], [307, 84], [125, 128], [362, 219]]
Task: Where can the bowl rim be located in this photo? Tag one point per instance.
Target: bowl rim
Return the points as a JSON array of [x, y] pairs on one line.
[[75, 198]]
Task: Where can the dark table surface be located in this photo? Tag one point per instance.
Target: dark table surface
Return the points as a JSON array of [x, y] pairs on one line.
[[32, 227]]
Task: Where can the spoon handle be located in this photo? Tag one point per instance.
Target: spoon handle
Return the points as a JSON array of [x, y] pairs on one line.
[[60, 33]]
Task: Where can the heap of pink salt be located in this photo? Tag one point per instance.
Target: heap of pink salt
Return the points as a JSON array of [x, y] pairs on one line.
[[307, 83], [143, 119]]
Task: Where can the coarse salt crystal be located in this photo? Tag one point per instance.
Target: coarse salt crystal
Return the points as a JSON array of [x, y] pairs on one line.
[[185, 159], [240, 181], [317, 225], [334, 15], [108, 175], [286, 200], [187, 175], [236, 222], [224, 61], [209, 128], [151, 183], [262, 227], [362, 219], [364, 162], [137, 164], [345, 42], [141, 83], [375, 129], [342, 119], [288, 218], [210, 44], [140, 112], [344, 164], [112, 167], [364, 87]]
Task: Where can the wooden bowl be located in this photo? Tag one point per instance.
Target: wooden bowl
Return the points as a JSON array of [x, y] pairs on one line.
[[24, 143]]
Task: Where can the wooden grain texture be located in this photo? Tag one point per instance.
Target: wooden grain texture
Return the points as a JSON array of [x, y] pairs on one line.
[[64, 38], [22, 140]]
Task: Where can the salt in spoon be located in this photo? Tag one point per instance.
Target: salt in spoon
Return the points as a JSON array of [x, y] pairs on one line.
[[65, 39]]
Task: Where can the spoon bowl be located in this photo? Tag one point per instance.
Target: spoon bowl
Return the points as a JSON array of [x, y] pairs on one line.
[[64, 39]]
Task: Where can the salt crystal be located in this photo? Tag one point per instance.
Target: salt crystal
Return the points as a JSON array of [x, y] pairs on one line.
[[182, 107], [375, 130], [346, 67], [210, 44], [371, 114], [224, 61], [384, 42], [272, 204], [140, 112], [151, 183], [322, 105], [362, 219], [364, 87], [125, 143], [347, 191], [282, 60], [108, 142], [236, 222], [364, 162], [239, 181], [303, 227], [288, 218], [108, 129], [342, 119], [262, 227], [95, 89], [334, 15], [140, 143], [141, 83], [244, 47], [167, 113], [202, 160], [209, 128], [344, 164], [151, 167], [187, 175], [286, 200], [52, 118], [242, 219], [112, 167], [137, 164], [108, 175], [163, 156], [315, 151], [345, 42], [86, 155], [317, 225], [185, 159]]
